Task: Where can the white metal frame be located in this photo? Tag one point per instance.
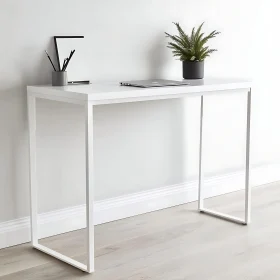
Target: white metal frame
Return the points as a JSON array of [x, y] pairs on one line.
[[88, 105], [201, 207], [89, 267]]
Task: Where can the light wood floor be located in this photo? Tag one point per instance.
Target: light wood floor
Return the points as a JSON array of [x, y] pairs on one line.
[[172, 244]]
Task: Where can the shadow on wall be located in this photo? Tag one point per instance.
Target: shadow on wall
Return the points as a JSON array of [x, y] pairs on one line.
[[179, 140], [32, 69], [157, 57], [139, 146]]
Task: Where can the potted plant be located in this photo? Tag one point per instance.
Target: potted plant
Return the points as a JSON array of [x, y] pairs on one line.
[[191, 50]]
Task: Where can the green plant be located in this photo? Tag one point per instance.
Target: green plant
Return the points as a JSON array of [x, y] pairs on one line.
[[191, 47]]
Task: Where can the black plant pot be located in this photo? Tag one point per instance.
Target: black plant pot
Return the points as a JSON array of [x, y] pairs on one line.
[[193, 69]]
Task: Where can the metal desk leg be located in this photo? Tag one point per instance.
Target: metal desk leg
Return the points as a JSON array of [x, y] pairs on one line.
[[245, 221], [247, 175], [89, 188], [31, 102], [200, 179], [89, 267]]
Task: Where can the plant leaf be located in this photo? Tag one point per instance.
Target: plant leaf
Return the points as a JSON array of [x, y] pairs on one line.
[[190, 48]]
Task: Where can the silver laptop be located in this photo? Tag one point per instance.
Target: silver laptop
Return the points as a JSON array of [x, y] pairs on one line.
[[154, 83]]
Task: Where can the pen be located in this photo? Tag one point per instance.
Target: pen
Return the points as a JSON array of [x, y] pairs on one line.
[[50, 60], [79, 82]]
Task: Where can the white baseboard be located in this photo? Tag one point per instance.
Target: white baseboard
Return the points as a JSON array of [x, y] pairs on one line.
[[56, 222]]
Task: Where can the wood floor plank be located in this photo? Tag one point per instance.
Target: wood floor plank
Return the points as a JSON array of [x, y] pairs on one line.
[[19, 258], [172, 244]]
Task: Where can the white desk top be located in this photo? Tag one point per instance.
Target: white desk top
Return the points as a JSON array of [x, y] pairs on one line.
[[107, 93]]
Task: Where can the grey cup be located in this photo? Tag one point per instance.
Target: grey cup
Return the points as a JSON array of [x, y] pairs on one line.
[[59, 78]]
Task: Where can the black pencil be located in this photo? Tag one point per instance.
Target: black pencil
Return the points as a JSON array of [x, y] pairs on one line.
[[70, 56], [64, 63], [50, 60]]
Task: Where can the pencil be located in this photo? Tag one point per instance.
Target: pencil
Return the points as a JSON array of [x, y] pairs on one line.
[[64, 63], [50, 60], [70, 56]]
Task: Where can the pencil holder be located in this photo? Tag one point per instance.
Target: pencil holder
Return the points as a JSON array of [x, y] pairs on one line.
[[59, 78]]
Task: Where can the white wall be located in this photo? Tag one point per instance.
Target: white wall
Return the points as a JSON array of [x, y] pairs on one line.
[[138, 146]]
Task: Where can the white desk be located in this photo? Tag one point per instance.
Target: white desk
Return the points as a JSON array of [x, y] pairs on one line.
[[108, 93]]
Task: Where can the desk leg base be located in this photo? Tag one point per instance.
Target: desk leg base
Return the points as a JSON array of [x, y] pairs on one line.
[[223, 216], [245, 221], [61, 257]]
